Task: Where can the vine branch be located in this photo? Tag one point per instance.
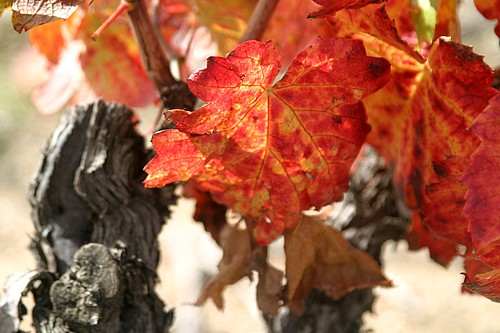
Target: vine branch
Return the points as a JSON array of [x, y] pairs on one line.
[[174, 93], [259, 20]]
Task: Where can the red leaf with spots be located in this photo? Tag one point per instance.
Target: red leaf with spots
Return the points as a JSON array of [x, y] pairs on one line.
[[425, 111], [269, 151]]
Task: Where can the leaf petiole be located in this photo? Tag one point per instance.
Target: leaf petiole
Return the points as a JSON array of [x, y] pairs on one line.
[[122, 7]]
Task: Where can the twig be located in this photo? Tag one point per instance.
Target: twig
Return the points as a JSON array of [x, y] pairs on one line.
[[153, 57], [174, 94], [259, 20]]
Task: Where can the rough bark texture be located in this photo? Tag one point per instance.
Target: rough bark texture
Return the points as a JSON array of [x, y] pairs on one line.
[[97, 226], [369, 215]]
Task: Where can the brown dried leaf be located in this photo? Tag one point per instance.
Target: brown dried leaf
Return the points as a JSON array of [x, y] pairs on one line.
[[233, 266], [269, 287], [318, 257]]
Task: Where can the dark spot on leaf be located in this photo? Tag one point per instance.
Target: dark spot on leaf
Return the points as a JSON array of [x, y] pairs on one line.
[[440, 169]]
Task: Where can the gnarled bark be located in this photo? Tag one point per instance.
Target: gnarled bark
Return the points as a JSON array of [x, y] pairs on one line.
[[97, 227]]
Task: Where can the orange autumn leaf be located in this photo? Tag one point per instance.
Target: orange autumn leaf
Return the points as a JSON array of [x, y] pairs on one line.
[[49, 40], [318, 257], [373, 25], [482, 273], [486, 284], [113, 65], [269, 151]]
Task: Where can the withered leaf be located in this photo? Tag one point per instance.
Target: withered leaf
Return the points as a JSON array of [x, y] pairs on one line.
[[318, 257], [233, 266]]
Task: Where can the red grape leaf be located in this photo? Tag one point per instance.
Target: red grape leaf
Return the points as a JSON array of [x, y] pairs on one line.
[[446, 201], [490, 10], [483, 201], [440, 249], [486, 284], [28, 14], [425, 110], [277, 145], [290, 29], [318, 257], [483, 196], [81, 68], [233, 266], [430, 128]]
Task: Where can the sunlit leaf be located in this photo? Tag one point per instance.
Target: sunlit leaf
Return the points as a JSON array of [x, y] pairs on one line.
[[266, 151]]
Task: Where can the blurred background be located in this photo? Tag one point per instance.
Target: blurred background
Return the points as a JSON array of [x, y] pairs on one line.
[[426, 296]]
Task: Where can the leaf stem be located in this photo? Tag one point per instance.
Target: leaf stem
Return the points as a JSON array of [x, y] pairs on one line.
[[259, 20], [123, 6]]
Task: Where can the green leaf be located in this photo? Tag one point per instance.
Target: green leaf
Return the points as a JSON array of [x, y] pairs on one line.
[[424, 17]]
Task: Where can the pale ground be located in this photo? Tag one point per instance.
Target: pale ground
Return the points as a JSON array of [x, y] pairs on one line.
[[426, 297]]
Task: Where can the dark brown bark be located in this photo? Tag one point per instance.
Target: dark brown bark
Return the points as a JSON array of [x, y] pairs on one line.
[[370, 215], [97, 227]]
